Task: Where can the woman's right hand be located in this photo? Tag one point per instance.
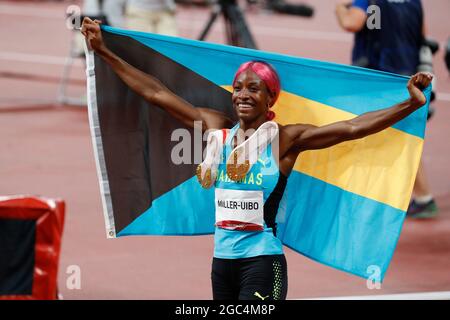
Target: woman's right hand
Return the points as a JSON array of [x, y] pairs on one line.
[[93, 34]]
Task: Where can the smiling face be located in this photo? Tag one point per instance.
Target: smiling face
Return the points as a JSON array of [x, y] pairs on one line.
[[251, 98]]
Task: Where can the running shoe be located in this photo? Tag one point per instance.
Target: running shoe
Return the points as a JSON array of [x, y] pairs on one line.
[[422, 211]]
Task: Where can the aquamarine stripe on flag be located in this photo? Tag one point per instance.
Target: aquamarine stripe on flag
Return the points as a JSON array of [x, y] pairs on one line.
[[343, 230], [328, 83], [163, 218], [347, 239]]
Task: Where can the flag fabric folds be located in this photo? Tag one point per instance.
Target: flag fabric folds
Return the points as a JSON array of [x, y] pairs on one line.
[[344, 206]]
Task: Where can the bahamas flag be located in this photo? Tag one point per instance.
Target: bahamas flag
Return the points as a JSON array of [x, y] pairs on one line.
[[343, 206]]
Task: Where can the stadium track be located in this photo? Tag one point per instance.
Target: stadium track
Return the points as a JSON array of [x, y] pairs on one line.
[[45, 149]]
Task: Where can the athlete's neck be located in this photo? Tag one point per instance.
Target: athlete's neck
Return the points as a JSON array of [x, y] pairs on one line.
[[255, 124]]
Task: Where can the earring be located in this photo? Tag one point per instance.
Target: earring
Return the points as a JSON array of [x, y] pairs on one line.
[[270, 115]]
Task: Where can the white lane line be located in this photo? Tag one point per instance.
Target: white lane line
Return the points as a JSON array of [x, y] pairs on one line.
[[438, 295], [304, 34], [6, 9], [37, 58], [274, 31], [56, 60]]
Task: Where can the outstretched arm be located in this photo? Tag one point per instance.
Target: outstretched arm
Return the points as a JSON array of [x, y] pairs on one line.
[[309, 137], [350, 18], [150, 88]]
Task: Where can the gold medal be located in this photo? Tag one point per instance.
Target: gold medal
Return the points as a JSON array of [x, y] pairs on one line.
[[206, 182], [237, 171]]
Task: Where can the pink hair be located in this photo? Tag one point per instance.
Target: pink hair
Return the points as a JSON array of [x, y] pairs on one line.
[[267, 74]]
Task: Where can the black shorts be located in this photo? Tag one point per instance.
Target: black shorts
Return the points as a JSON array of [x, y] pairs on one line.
[[257, 278]]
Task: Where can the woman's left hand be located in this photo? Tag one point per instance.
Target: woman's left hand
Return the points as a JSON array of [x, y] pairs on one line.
[[416, 84]]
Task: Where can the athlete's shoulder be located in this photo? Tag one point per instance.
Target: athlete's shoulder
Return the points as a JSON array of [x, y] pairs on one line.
[[293, 130]]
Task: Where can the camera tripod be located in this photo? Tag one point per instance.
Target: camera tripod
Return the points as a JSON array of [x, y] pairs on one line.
[[237, 31]]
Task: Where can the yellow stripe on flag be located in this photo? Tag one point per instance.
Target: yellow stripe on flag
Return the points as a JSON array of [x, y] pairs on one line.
[[379, 167]]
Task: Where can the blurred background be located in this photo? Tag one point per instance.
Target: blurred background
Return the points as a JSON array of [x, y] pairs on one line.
[[46, 149]]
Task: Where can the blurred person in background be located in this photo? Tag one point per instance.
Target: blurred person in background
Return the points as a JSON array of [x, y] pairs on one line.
[[394, 44], [113, 10], [154, 16]]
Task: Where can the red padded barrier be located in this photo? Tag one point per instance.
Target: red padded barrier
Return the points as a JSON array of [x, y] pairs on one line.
[[49, 216]]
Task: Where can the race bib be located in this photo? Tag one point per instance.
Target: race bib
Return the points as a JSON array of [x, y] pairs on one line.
[[239, 209]]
